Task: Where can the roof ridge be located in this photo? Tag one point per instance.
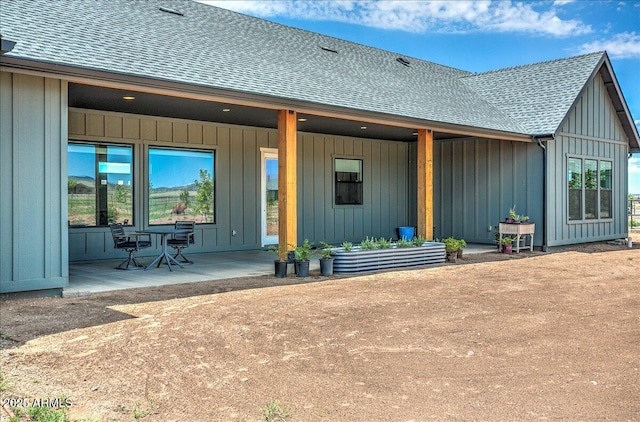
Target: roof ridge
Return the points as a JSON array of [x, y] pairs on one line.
[[529, 65]]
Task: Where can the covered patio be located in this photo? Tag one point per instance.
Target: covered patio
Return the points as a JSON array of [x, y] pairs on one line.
[[90, 277]]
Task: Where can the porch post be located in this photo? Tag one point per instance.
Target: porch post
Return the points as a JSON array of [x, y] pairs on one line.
[[425, 183], [287, 184]]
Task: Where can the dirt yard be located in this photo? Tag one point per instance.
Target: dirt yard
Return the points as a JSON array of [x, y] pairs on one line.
[[552, 336]]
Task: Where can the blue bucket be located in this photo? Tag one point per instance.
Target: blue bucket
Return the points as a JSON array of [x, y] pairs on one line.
[[406, 233]]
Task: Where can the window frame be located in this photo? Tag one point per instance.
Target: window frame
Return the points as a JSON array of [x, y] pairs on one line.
[[334, 192], [146, 182], [134, 179], [583, 189]]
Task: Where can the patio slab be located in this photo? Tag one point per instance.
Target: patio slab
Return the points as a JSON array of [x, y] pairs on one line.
[[101, 276]]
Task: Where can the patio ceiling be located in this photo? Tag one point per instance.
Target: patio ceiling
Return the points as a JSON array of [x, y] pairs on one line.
[[109, 99]]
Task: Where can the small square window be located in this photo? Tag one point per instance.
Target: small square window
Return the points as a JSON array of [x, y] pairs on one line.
[[348, 181]]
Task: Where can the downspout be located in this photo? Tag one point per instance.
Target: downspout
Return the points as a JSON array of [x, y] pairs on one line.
[[539, 140]]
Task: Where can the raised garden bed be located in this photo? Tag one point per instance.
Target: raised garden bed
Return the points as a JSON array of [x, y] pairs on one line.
[[358, 260]]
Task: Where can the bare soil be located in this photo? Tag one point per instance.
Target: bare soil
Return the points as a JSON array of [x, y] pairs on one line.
[[534, 336]]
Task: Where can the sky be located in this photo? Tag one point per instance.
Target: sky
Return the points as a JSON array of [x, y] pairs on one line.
[[477, 36]]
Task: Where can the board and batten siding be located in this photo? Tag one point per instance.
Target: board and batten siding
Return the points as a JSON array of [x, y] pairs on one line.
[[591, 130], [477, 181], [237, 181], [33, 139]]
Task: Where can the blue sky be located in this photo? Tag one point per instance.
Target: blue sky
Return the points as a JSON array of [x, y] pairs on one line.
[[477, 35]]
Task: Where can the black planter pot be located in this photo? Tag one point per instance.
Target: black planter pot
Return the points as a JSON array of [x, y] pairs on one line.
[[302, 268], [280, 268], [326, 266]]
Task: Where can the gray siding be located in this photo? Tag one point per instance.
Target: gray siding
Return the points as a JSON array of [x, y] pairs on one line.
[[33, 235], [590, 130], [237, 173], [385, 189], [477, 180]]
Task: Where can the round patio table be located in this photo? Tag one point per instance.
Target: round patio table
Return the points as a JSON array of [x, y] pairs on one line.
[[164, 254]]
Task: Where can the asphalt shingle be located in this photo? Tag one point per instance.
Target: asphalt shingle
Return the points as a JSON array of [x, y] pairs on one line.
[[217, 48], [537, 95]]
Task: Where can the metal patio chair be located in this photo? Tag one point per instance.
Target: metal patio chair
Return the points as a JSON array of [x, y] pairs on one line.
[[131, 243], [180, 241]]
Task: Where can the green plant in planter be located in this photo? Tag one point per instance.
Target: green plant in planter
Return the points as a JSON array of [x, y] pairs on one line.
[[280, 265], [383, 243], [418, 241], [303, 252], [512, 213], [347, 246], [368, 244], [325, 252], [326, 260], [506, 240], [302, 255], [462, 244], [404, 243], [451, 244]]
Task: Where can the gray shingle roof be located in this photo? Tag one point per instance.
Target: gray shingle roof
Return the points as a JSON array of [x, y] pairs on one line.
[[537, 95], [220, 49]]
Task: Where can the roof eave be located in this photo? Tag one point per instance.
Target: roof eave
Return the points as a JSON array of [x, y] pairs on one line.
[[165, 87]]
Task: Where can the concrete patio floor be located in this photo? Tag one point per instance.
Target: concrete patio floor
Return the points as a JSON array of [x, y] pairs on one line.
[[102, 276]]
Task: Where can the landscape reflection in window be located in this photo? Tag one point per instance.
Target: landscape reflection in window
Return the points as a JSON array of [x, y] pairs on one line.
[[99, 185], [181, 186]]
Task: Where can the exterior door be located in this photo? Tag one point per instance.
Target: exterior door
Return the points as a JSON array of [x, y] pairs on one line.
[[269, 195]]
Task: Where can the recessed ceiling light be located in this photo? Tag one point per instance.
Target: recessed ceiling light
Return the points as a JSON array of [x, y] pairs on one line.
[[302, 119], [226, 110], [415, 133], [128, 98], [363, 127]]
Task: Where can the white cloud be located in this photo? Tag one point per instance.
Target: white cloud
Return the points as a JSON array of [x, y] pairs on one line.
[[621, 46], [420, 16]]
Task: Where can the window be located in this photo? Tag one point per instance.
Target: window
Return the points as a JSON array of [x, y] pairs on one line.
[[590, 190], [99, 185], [181, 186], [605, 189], [575, 189], [348, 179]]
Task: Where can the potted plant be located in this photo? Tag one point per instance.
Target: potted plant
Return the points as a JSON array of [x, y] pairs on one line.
[[326, 260], [507, 244], [451, 246], [280, 265], [302, 255], [512, 215], [462, 245]]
